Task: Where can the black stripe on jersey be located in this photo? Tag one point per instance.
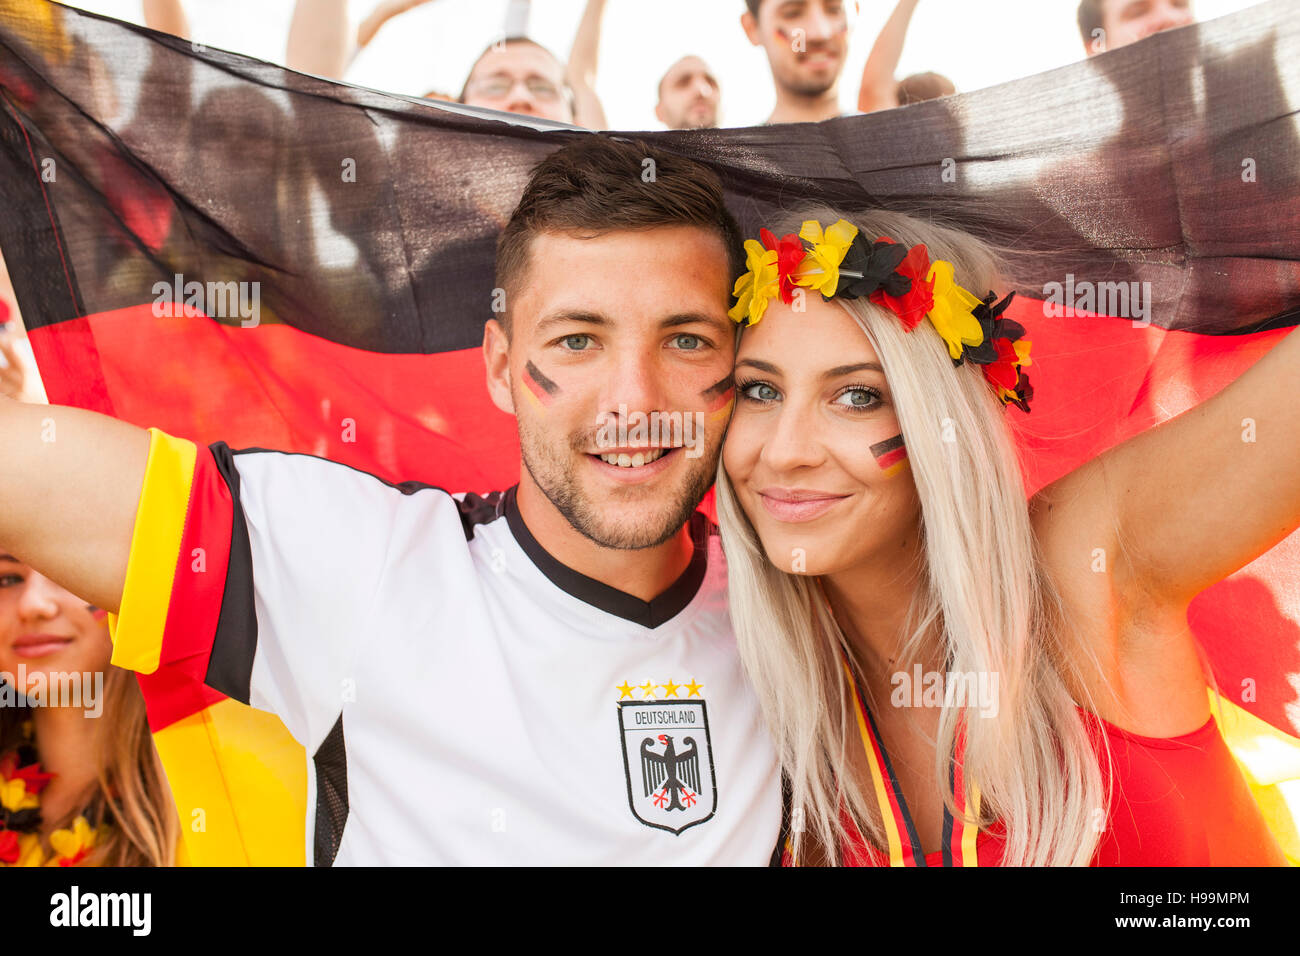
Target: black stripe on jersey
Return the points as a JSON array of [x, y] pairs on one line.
[[611, 600], [331, 762], [947, 817], [230, 666], [479, 509]]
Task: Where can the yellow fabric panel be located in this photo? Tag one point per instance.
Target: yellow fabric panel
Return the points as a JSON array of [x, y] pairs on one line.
[[240, 785], [1270, 761], [155, 546]]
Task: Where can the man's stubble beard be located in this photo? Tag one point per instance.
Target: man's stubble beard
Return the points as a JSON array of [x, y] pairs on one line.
[[793, 81], [554, 476]]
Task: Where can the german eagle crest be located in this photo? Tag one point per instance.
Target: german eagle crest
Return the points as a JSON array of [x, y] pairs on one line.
[[668, 762]]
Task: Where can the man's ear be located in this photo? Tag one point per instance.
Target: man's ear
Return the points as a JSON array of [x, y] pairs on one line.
[[659, 112], [750, 26], [496, 359]]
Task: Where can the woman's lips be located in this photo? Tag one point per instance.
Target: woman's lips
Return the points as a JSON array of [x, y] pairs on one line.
[[39, 645], [792, 505]]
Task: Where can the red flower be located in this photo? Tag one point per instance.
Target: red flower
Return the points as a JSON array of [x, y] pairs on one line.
[[789, 256], [8, 847], [1003, 372], [33, 780], [912, 306], [74, 860]]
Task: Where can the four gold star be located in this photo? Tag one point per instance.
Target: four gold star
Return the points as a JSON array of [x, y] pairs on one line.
[[670, 689]]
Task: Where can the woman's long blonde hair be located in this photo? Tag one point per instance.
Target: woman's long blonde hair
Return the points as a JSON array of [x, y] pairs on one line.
[[131, 793], [984, 590]]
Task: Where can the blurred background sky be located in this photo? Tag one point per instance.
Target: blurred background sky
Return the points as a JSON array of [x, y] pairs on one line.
[[976, 43]]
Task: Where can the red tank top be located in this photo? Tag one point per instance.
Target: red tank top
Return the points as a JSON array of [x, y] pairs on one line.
[[1176, 801]]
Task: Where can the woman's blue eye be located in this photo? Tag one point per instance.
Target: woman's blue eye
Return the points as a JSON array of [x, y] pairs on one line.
[[858, 397], [760, 392], [576, 343]]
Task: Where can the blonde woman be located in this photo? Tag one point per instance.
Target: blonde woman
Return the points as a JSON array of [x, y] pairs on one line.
[[80, 780], [879, 542]]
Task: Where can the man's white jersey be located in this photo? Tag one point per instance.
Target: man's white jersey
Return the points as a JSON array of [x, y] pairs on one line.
[[463, 697]]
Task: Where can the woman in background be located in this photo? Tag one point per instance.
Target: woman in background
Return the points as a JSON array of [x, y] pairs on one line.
[[80, 781]]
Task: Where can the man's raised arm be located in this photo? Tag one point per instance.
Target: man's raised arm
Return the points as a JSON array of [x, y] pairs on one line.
[[69, 488]]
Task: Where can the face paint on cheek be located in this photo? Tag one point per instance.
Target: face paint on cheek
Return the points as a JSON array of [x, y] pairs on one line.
[[541, 388], [890, 455], [98, 613], [720, 397]]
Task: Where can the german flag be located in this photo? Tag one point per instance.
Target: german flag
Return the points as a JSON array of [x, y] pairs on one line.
[[229, 251]]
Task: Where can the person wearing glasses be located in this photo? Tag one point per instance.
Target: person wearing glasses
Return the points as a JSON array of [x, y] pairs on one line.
[[520, 76], [514, 74]]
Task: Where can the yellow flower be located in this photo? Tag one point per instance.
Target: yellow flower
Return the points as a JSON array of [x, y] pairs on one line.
[[951, 315], [14, 796], [757, 285], [1022, 352], [29, 850], [72, 845], [820, 271]]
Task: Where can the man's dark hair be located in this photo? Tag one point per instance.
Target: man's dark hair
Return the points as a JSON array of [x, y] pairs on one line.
[[596, 185], [1090, 18], [920, 87], [753, 7]]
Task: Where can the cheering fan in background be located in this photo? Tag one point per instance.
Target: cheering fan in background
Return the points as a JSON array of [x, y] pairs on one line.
[[80, 781]]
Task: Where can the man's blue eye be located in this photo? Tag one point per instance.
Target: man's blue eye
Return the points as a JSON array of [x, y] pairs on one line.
[[688, 342], [576, 343]]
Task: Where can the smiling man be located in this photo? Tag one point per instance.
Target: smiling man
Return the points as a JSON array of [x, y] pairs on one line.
[[1111, 24], [543, 675], [806, 42]]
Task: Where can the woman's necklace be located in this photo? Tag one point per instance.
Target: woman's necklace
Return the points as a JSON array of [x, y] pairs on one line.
[[21, 782]]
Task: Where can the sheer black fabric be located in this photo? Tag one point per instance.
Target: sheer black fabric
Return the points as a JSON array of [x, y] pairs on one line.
[[130, 156]]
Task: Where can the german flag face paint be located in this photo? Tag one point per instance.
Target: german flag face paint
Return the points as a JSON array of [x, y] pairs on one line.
[[890, 455], [541, 388], [720, 398], [98, 613]]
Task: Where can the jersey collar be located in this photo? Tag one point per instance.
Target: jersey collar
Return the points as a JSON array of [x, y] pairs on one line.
[[602, 596]]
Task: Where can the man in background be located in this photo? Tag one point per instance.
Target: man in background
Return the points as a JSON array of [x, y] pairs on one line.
[[1111, 24], [689, 95], [520, 76], [807, 44]]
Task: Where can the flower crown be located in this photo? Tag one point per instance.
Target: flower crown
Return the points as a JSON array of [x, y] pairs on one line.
[[838, 261]]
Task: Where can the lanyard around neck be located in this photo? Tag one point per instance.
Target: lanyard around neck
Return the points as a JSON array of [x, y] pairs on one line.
[[959, 842]]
